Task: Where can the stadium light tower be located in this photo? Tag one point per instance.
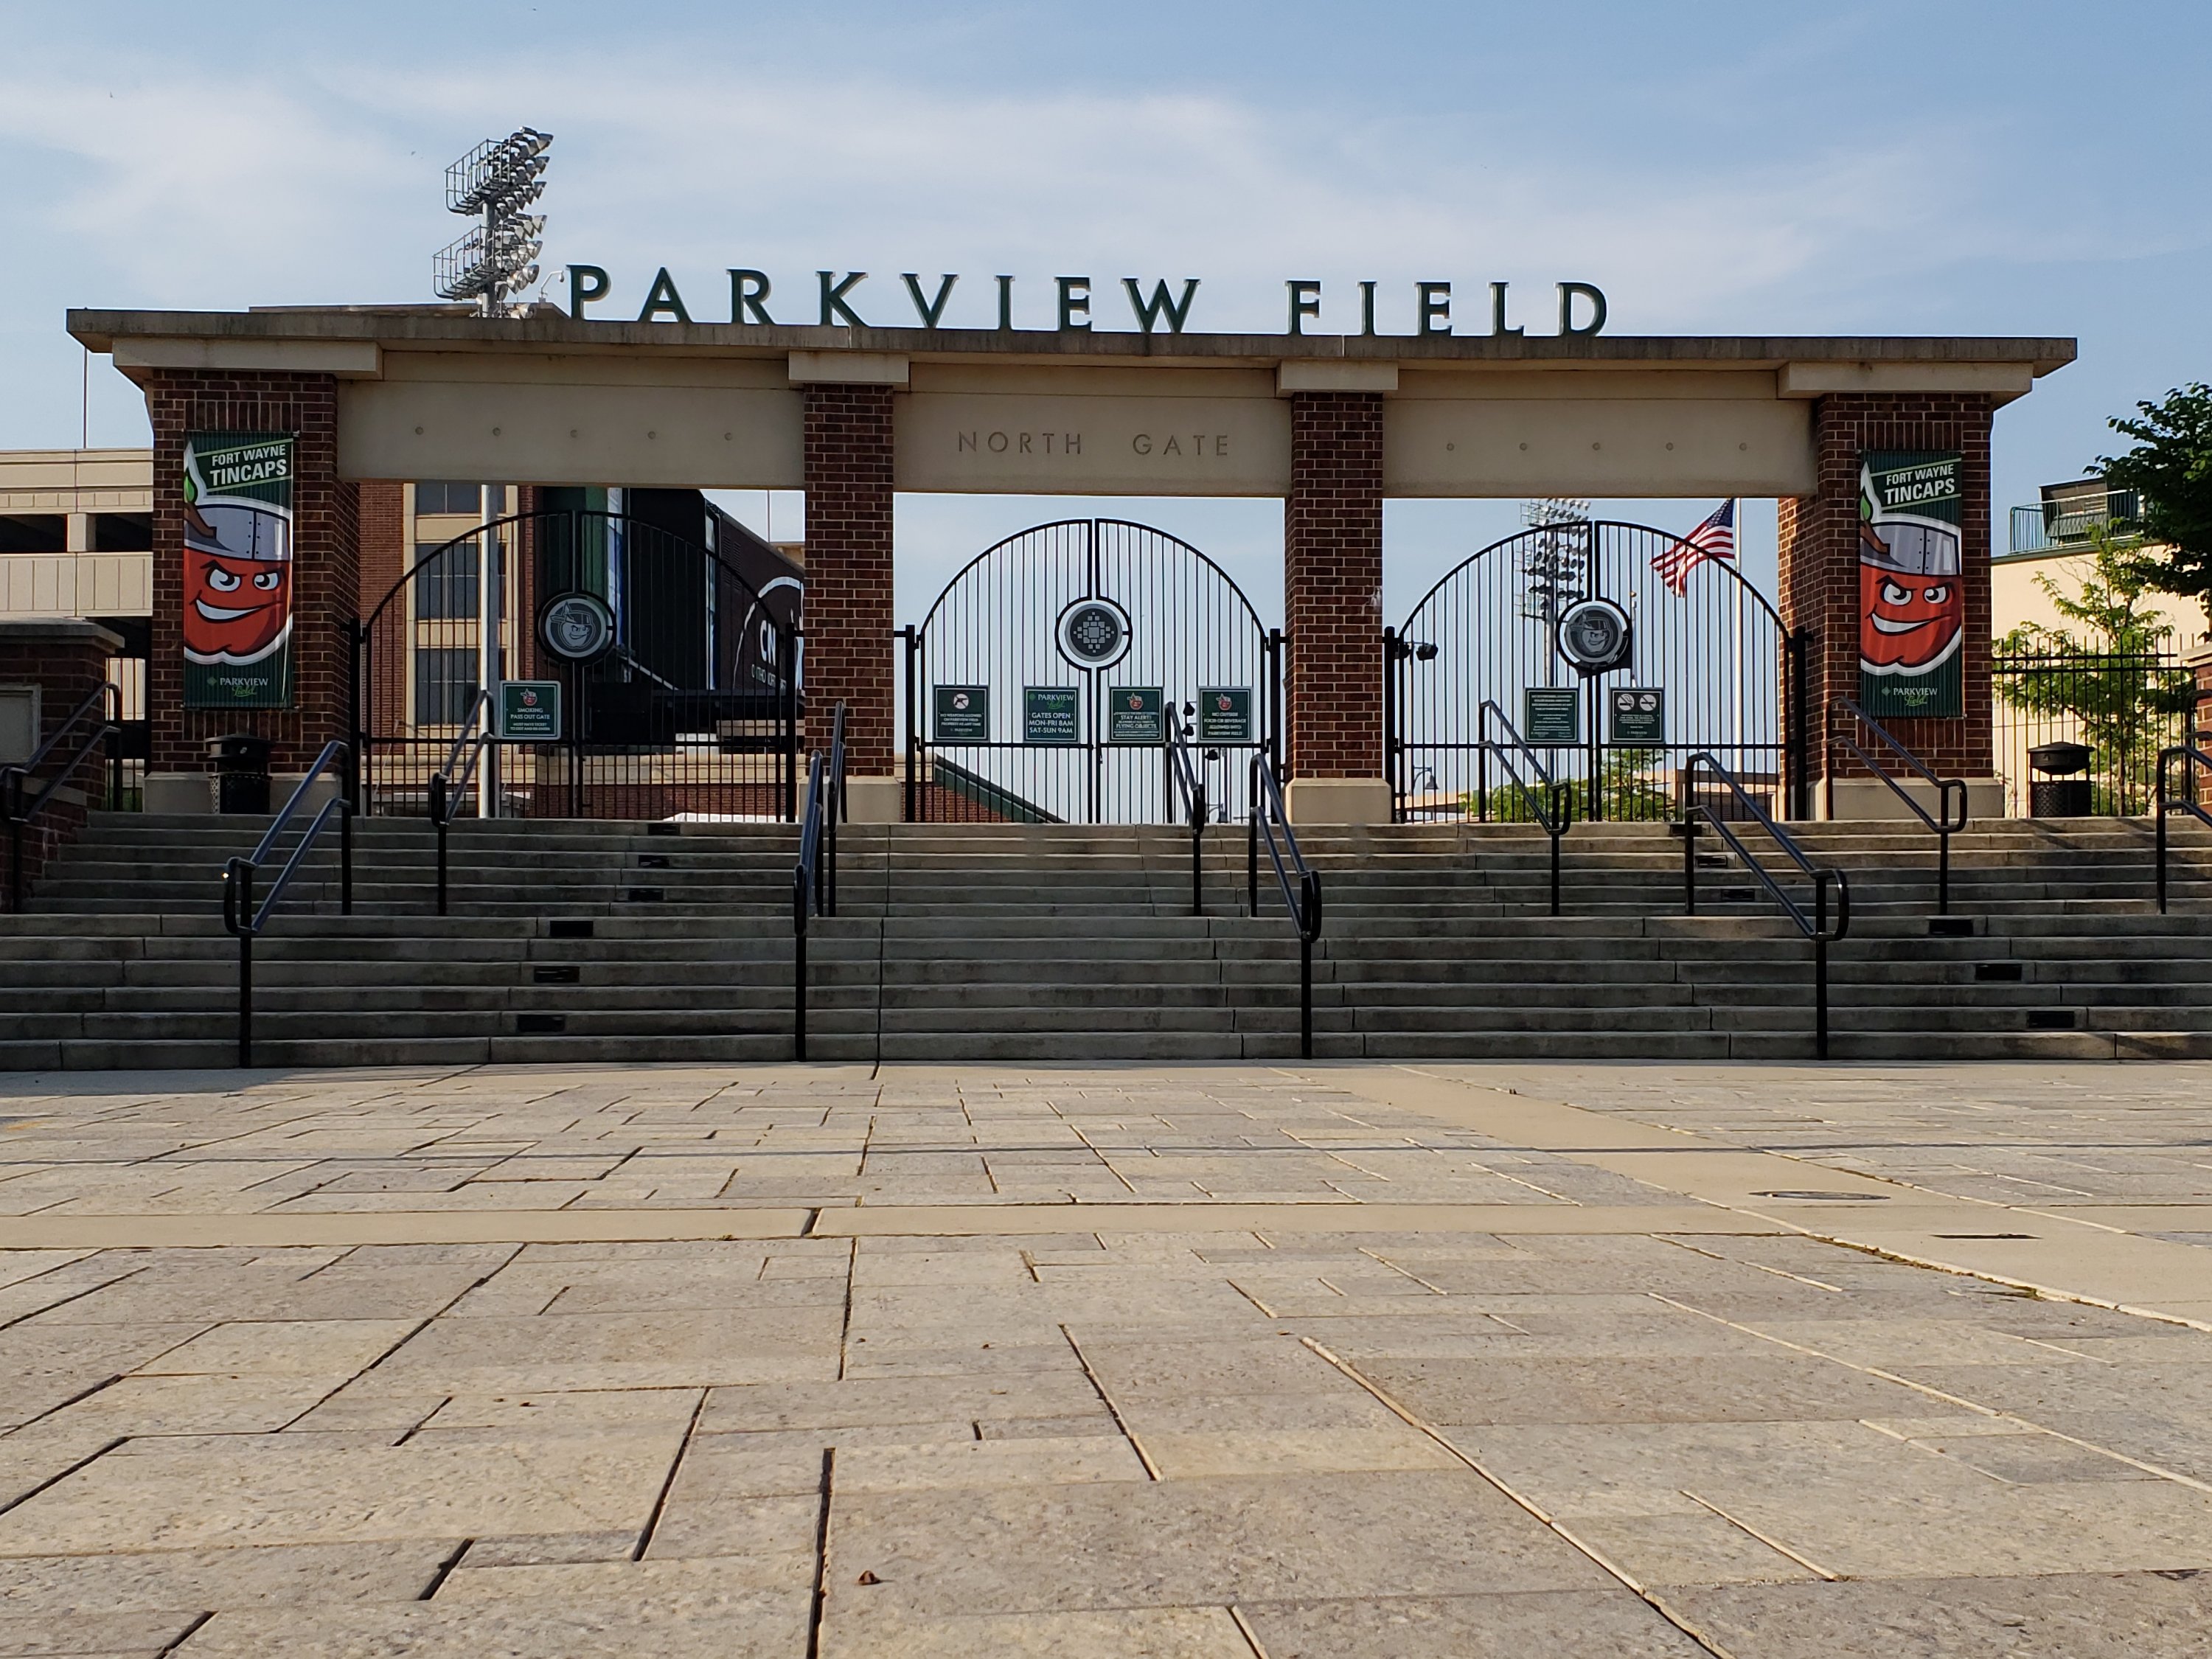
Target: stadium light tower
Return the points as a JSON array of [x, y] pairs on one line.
[[499, 180]]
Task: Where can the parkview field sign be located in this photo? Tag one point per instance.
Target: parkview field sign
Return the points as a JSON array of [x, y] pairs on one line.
[[1071, 299]]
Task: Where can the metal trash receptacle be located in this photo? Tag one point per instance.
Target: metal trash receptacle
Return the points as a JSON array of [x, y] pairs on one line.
[[2059, 794], [240, 761]]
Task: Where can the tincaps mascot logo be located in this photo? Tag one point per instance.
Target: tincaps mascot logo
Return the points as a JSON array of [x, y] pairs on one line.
[[238, 575], [1912, 604]]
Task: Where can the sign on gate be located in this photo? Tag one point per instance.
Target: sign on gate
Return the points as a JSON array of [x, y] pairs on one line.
[[1552, 715], [1638, 717], [1051, 713], [1136, 713], [528, 711], [1224, 714], [962, 713]]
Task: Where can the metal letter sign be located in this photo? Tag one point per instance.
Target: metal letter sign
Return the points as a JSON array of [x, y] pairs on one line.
[[1051, 713], [1639, 718], [530, 711], [1224, 714], [576, 626], [1135, 714], [964, 714], [1552, 715], [1094, 633]]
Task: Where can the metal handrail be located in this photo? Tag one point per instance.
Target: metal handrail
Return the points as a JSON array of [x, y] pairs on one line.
[[814, 878], [1558, 819], [446, 786], [1942, 828], [13, 780], [242, 919], [2190, 757], [1814, 926], [1186, 780], [1303, 903]]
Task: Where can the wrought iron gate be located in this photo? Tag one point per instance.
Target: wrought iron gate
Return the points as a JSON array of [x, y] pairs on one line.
[[690, 705], [1040, 685], [1710, 667]]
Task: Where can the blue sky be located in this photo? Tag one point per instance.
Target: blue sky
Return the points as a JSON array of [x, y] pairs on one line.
[[1933, 167]]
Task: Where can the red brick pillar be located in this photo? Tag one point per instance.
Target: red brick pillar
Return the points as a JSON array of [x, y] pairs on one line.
[[847, 616], [325, 574], [53, 665], [1332, 608], [1818, 580]]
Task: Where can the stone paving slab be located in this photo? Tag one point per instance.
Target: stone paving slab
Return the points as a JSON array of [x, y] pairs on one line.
[[1203, 1363]]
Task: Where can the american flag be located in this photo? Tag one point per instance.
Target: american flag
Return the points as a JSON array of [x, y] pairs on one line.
[[1713, 539]]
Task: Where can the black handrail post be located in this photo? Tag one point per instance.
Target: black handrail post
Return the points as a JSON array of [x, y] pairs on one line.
[[1559, 818], [345, 857], [1305, 996], [1198, 854], [2162, 840], [1820, 966], [1943, 860]]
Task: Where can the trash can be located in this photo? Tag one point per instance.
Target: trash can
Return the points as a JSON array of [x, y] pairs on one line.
[[240, 761], [2059, 794]]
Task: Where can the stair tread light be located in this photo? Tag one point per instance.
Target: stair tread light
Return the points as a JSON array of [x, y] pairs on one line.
[[499, 180]]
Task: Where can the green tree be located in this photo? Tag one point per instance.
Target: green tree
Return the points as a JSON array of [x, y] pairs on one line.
[[2107, 675], [2170, 470]]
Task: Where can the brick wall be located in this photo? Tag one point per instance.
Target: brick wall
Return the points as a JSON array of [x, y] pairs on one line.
[[1820, 569], [847, 619], [385, 552], [67, 660], [1332, 584], [325, 576]]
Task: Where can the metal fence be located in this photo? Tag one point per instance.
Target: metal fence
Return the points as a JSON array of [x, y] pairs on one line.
[[2124, 708]]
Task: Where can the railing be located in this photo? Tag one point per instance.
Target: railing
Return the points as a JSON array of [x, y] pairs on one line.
[[814, 878], [2126, 706], [1185, 781], [242, 919], [448, 785], [1939, 824], [1815, 927], [1303, 902], [2190, 757], [2040, 526], [15, 780], [1552, 809]]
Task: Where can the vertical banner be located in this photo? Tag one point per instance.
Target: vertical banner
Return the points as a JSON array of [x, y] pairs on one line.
[[1912, 601], [238, 569]]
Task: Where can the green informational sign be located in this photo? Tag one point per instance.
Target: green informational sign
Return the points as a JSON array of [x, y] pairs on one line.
[[1636, 717], [1051, 713], [1912, 599], [238, 569], [1136, 713], [1224, 714], [962, 713], [528, 711], [1552, 715]]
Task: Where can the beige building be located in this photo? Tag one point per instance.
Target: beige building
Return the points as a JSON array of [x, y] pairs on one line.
[[76, 532]]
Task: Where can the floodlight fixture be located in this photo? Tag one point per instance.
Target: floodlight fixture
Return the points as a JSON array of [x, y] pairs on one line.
[[498, 181]]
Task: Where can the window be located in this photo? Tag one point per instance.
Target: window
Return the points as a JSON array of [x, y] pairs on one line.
[[33, 532], [435, 497], [123, 533], [445, 683], [446, 587]]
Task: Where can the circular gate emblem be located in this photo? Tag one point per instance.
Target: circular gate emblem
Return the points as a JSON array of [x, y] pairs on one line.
[[1094, 633], [1595, 636], [576, 626]]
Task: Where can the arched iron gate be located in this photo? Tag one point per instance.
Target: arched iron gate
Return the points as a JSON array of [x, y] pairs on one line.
[[1711, 668], [693, 706], [1039, 686]]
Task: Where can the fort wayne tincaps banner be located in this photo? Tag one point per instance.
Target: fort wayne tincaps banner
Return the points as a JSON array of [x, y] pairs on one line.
[[238, 569], [1912, 603]]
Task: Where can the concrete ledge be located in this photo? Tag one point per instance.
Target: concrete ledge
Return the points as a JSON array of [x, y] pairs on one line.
[[21, 631], [193, 793], [1337, 800], [1869, 798], [359, 360], [2004, 381], [1308, 376], [875, 801], [847, 368]]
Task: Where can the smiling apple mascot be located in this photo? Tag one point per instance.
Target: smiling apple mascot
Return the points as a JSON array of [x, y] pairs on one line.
[[1912, 605], [238, 582]]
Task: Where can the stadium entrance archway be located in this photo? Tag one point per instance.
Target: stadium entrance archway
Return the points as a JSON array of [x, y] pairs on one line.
[[1042, 685], [1709, 667]]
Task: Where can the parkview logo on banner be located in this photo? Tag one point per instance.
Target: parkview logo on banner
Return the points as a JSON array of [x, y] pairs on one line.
[[238, 570], [1069, 303]]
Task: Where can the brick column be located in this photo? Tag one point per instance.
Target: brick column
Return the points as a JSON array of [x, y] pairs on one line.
[[848, 615], [1332, 608], [1819, 581], [325, 574], [66, 661]]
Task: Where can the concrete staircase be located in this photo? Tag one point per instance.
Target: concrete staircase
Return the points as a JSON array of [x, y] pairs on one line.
[[601, 941]]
